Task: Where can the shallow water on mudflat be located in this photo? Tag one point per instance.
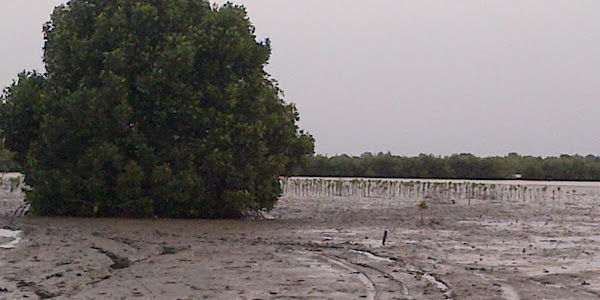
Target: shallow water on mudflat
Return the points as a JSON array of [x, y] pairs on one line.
[[13, 237]]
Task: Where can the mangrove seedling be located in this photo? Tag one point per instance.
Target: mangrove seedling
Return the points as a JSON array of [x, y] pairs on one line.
[[422, 207]]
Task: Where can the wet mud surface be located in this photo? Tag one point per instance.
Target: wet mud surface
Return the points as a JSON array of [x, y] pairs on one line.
[[327, 248]]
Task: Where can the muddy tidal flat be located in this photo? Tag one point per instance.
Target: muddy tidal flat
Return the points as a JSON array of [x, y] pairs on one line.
[[320, 247]]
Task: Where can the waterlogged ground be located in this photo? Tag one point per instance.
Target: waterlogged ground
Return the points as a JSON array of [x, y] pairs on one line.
[[318, 248]]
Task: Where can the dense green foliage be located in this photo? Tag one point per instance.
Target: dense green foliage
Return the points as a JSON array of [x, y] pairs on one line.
[[7, 160], [155, 107], [459, 166]]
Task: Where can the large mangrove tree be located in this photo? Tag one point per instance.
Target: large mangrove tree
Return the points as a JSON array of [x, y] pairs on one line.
[[151, 108]]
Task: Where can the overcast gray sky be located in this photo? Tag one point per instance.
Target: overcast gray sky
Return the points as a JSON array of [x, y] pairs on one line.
[[440, 77]]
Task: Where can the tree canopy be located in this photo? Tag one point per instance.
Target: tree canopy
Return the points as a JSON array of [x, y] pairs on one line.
[[151, 108], [457, 166]]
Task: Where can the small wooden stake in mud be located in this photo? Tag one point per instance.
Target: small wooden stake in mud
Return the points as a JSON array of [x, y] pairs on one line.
[[384, 237]]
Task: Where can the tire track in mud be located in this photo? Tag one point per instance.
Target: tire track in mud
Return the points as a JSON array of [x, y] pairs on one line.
[[434, 280], [123, 262], [402, 281], [381, 277], [404, 287], [510, 293], [410, 269], [376, 281], [368, 282]]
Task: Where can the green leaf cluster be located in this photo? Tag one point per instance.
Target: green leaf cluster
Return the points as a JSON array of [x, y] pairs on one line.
[[7, 161], [152, 108]]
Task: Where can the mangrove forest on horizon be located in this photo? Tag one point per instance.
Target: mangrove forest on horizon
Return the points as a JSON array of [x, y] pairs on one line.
[[456, 166]]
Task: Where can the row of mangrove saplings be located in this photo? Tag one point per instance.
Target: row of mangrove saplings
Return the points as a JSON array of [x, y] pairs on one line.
[[311, 187]]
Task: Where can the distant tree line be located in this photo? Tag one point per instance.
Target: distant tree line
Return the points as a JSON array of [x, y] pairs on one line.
[[457, 166]]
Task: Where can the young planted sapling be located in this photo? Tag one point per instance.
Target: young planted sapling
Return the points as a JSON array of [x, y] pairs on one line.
[[422, 207]]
